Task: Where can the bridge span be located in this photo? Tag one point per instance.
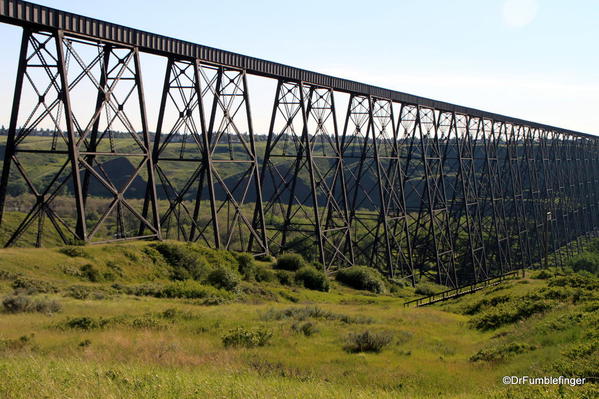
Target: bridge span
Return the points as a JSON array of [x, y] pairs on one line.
[[416, 187]]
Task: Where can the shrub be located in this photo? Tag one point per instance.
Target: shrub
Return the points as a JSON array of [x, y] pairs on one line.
[[20, 343], [28, 286], [362, 278], [72, 251], [91, 273], [425, 289], [264, 258], [502, 352], [312, 279], [367, 342], [543, 275], [580, 359], [17, 304], [311, 312], [184, 262], [20, 304], [223, 278], [146, 322], [285, 277], [574, 281], [86, 323], [242, 337], [47, 306], [116, 268], [186, 289], [264, 275], [288, 296], [509, 312], [246, 267], [476, 307], [172, 314], [588, 261], [290, 261], [83, 292], [306, 328]]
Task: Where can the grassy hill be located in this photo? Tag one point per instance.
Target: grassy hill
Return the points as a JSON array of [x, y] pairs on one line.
[[173, 320]]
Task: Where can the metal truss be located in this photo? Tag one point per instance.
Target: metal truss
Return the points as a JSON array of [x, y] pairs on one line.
[[214, 147], [303, 141], [418, 189], [492, 194], [377, 206], [434, 130], [53, 68]]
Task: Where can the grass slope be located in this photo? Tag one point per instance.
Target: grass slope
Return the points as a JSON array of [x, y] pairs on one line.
[[138, 345]]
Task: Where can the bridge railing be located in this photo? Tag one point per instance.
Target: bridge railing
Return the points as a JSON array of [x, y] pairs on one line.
[[463, 290]]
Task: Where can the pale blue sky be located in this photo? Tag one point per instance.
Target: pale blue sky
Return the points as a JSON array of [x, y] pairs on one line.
[[533, 59]]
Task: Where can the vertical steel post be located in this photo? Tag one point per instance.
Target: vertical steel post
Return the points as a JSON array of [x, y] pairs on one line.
[[73, 146], [9, 151], [146, 140]]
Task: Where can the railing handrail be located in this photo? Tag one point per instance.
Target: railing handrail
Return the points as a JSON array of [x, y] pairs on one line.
[[472, 288]]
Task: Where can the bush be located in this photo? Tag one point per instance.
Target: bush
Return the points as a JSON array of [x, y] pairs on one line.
[[20, 304], [367, 342], [23, 342], [509, 312], [72, 251], [246, 338], [362, 278], [91, 273], [184, 262], [223, 278], [146, 323], [246, 267], [291, 262], [264, 258], [187, 289], [23, 285], [84, 292], [86, 323], [264, 275], [543, 275], [306, 328], [47, 306], [588, 261], [501, 352], [285, 277], [312, 279], [425, 289], [311, 312], [574, 281], [17, 304], [476, 307]]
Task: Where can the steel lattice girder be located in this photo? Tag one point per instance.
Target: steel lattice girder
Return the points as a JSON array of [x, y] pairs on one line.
[[190, 88], [414, 187], [303, 139], [78, 137], [371, 147]]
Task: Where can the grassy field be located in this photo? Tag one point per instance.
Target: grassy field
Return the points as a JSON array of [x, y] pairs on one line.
[[112, 323]]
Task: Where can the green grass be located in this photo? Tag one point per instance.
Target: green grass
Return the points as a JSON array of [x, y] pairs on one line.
[[172, 348]]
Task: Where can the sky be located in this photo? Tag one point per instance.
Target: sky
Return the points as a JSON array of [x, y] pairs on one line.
[[530, 59]]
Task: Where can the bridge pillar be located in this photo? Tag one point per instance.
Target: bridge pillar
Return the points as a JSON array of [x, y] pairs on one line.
[[53, 99], [467, 202], [434, 136], [372, 152], [304, 182], [212, 143]]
